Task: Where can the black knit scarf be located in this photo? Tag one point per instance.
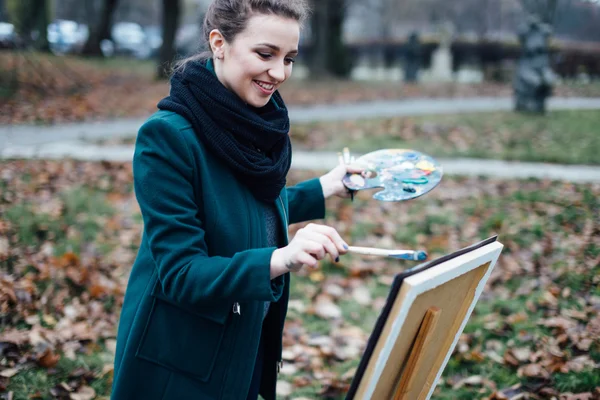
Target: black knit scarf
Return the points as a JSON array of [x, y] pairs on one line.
[[253, 142]]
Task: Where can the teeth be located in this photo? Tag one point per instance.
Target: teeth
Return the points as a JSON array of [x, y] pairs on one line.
[[264, 85]]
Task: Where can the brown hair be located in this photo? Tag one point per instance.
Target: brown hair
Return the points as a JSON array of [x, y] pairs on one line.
[[230, 17]]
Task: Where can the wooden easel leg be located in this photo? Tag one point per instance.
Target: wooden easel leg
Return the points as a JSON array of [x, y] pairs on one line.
[[424, 335], [460, 317]]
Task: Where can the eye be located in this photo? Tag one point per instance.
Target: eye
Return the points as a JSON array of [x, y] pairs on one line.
[[264, 55], [290, 60]]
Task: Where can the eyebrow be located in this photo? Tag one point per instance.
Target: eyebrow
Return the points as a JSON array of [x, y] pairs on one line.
[[276, 48]]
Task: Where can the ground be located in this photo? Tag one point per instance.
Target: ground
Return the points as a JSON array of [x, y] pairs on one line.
[[70, 231], [39, 88], [564, 137]]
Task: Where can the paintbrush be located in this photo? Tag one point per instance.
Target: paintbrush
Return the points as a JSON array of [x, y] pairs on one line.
[[414, 255]]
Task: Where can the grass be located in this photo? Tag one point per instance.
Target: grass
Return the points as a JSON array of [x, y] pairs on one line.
[[509, 215], [565, 137], [528, 215], [36, 384], [72, 222]]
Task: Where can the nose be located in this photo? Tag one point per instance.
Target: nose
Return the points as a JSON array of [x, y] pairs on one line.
[[277, 72]]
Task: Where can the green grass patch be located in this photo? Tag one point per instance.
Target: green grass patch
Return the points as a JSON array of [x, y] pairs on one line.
[[74, 219], [548, 229], [578, 382], [37, 382], [565, 137]]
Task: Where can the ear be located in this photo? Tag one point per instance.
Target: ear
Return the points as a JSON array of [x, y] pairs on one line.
[[217, 43]]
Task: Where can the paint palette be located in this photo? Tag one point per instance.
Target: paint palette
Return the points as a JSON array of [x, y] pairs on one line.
[[403, 174]]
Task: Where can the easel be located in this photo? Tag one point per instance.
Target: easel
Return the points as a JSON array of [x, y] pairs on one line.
[[426, 332], [421, 323], [415, 359]]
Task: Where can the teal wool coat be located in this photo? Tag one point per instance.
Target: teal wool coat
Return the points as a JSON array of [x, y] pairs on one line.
[[192, 315]]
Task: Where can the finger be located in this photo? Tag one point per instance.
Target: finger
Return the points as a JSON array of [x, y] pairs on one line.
[[324, 244], [308, 260], [329, 246], [354, 169], [314, 247], [332, 234]]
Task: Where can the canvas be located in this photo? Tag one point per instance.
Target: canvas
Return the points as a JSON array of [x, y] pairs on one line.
[[425, 313]]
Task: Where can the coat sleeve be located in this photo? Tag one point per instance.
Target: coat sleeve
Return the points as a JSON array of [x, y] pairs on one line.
[[164, 176], [306, 201]]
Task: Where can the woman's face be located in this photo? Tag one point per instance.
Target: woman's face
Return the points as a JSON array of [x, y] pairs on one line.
[[259, 59]]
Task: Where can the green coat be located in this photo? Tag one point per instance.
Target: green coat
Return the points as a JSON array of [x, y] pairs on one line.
[[202, 254]]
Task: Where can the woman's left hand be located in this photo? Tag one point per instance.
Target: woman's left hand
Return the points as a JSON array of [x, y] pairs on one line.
[[332, 181]]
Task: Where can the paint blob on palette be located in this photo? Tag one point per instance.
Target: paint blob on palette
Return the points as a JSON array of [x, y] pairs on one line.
[[403, 174]]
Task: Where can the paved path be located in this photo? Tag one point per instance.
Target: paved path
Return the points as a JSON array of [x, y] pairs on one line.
[[77, 140], [327, 160], [92, 131]]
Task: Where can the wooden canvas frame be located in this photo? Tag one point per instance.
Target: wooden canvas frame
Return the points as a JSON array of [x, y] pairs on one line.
[[417, 330]]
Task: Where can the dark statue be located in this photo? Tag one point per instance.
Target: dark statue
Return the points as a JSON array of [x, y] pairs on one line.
[[534, 77], [412, 58]]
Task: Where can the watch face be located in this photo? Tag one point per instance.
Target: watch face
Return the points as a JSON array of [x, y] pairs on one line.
[[403, 174]]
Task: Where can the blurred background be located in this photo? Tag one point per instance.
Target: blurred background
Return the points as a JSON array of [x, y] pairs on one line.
[[505, 94], [342, 38], [451, 44]]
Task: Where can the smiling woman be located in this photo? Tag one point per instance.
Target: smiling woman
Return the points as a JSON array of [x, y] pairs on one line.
[[209, 174], [259, 60]]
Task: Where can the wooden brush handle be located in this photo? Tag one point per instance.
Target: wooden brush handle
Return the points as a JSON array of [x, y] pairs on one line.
[[370, 251]]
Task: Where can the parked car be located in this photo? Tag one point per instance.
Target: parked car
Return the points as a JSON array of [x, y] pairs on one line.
[[65, 36], [8, 36], [154, 39], [130, 39]]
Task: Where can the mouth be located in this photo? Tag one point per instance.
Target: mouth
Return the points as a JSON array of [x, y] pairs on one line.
[[264, 87]]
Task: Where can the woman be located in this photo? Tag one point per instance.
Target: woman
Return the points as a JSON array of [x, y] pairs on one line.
[[207, 297]]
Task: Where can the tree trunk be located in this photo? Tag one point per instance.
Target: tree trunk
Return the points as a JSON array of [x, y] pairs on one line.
[[338, 61], [170, 22], [320, 39], [329, 55], [101, 31], [3, 16], [42, 19], [89, 11]]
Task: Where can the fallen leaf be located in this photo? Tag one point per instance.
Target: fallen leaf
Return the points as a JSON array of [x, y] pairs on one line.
[[533, 371], [83, 393], [9, 373], [48, 359], [324, 307], [362, 295], [474, 380], [284, 388]]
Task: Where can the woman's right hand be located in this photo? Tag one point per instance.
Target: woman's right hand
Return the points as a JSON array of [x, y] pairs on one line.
[[310, 244]]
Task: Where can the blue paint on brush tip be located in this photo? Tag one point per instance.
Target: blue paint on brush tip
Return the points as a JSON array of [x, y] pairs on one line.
[[421, 255]]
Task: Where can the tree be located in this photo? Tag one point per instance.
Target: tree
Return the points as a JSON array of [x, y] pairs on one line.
[[544, 9], [170, 22], [30, 18], [329, 55], [2, 11], [100, 31]]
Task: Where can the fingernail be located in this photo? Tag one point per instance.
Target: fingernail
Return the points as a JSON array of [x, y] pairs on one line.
[[337, 259], [345, 246]]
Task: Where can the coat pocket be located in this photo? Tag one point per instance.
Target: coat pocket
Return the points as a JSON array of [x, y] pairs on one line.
[[181, 341]]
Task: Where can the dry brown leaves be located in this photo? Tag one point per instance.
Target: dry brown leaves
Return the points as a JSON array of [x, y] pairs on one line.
[[66, 89], [69, 303]]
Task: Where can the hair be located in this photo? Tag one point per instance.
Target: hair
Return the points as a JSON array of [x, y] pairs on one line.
[[231, 17]]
